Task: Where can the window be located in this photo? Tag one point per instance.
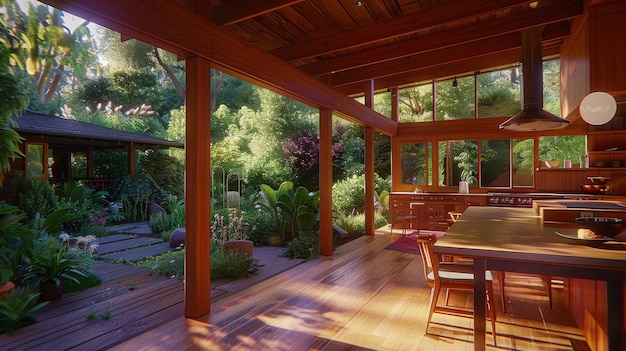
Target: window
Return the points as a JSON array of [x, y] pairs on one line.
[[36, 161], [458, 160], [554, 150], [523, 162], [416, 104], [495, 163], [499, 93], [416, 163], [455, 102]]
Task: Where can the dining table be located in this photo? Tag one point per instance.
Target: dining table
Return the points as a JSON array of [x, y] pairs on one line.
[[514, 239]]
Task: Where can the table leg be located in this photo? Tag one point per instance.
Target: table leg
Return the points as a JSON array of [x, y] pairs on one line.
[[615, 320], [479, 305]]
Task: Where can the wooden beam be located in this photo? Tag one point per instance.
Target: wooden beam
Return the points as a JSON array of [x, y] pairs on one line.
[[482, 30], [445, 56], [164, 22], [469, 66], [382, 30], [240, 10]]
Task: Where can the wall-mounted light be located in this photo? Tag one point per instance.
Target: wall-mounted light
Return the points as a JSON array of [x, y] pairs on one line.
[[598, 108], [455, 83]]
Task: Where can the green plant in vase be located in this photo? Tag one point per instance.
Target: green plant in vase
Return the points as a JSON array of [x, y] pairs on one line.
[[49, 271]]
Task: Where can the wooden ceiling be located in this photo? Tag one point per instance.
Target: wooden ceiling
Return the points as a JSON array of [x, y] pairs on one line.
[[393, 42]]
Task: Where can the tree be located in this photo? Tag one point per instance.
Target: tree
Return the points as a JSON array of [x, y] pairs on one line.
[[47, 50], [13, 100]]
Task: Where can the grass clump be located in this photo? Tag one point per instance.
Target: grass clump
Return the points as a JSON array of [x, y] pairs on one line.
[[170, 264]]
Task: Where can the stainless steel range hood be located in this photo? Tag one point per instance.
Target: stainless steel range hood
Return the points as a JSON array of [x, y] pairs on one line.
[[533, 117]]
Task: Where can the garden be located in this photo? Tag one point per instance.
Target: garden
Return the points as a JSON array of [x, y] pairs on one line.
[[264, 161]]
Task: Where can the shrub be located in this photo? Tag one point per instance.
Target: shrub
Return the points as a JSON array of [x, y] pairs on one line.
[[170, 264], [166, 171], [263, 226], [349, 194], [230, 264], [304, 246], [34, 196], [135, 194], [160, 222]]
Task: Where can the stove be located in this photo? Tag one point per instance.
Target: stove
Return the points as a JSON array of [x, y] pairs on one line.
[[518, 199]]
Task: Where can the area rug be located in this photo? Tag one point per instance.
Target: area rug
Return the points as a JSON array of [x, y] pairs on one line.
[[408, 243]]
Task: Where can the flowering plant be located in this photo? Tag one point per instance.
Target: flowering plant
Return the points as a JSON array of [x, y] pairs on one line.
[[232, 229]]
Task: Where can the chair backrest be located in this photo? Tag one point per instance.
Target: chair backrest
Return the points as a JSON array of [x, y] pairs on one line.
[[426, 244]]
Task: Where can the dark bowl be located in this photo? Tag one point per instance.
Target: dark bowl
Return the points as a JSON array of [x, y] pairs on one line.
[[605, 226], [599, 180], [594, 189]]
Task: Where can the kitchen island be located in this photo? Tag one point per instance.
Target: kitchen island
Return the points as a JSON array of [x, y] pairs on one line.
[[517, 240]]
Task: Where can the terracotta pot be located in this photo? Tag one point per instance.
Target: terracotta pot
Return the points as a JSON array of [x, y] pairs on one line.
[[5, 290], [50, 291], [275, 240], [244, 246]]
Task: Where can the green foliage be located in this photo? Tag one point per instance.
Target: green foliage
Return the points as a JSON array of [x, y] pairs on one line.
[[160, 222], [263, 226], [349, 194], [19, 310], [266, 170], [230, 264], [135, 194], [268, 203], [15, 240], [305, 246], [89, 280], [13, 99], [170, 264], [53, 267], [85, 203], [34, 196], [166, 171], [355, 224], [110, 164]]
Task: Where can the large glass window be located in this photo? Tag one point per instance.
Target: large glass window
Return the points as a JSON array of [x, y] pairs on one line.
[[523, 162], [499, 93], [495, 163], [416, 103], [458, 160], [415, 163], [455, 100], [554, 150]]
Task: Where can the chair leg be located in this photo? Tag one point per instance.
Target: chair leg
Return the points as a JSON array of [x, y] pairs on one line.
[[501, 282], [548, 281], [434, 296], [447, 296]]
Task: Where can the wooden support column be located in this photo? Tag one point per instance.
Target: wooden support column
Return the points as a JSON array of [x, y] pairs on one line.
[[369, 164], [395, 104], [90, 162], [198, 188], [326, 182], [132, 160], [395, 154]]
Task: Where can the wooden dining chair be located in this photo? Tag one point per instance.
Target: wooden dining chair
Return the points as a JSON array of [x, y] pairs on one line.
[[403, 216], [451, 276]]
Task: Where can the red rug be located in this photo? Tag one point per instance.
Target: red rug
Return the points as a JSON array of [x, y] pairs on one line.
[[408, 243]]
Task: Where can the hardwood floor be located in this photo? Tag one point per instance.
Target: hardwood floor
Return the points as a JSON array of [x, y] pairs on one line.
[[363, 298]]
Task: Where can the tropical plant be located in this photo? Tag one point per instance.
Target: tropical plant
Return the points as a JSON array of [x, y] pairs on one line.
[[13, 99], [34, 196], [268, 202], [19, 310], [305, 246], [14, 240], [53, 268]]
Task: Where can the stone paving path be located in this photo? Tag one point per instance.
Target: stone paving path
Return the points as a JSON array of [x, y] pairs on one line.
[[131, 242]]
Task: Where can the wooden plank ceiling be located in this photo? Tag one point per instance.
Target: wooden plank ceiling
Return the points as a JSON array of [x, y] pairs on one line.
[[393, 42]]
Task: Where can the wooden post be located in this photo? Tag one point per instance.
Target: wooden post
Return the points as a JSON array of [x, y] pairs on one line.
[[369, 164], [132, 160], [198, 188], [326, 182]]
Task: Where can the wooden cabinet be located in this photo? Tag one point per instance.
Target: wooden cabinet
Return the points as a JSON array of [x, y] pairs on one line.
[[434, 214], [607, 149]]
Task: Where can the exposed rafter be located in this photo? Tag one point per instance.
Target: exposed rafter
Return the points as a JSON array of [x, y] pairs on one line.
[[240, 10]]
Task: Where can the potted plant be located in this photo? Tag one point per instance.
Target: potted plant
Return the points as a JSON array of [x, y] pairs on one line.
[[231, 234], [49, 271]]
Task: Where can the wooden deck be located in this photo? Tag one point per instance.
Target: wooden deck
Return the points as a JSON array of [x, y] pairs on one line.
[[363, 298]]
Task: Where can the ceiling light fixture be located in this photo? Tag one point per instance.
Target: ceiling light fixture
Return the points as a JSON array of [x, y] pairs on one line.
[[598, 108]]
